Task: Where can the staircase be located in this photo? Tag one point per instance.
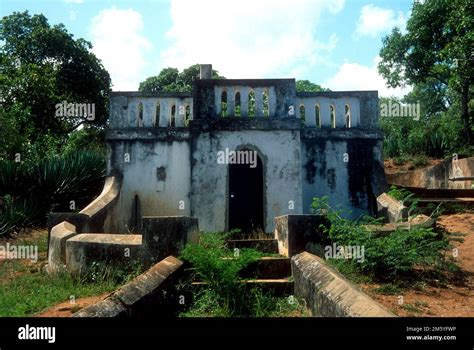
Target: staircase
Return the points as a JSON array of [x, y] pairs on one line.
[[271, 273]]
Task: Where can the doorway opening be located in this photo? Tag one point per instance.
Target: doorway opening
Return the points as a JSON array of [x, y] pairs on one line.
[[245, 200]]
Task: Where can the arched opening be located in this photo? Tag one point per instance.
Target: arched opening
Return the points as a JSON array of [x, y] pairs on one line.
[[302, 112], [332, 109], [173, 116], [237, 108], [347, 114], [140, 115], [266, 104], [246, 192], [224, 104], [252, 104], [317, 113], [157, 115]]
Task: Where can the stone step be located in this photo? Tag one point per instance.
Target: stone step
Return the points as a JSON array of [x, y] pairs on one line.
[[263, 245], [279, 287], [268, 268]]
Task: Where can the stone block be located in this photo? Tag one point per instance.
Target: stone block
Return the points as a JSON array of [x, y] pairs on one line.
[[85, 249], [295, 232], [167, 235], [58, 236]]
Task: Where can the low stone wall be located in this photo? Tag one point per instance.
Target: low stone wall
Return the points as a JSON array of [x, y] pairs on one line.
[[437, 176], [328, 293], [150, 294], [107, 249], [295, 232], [93, 218]]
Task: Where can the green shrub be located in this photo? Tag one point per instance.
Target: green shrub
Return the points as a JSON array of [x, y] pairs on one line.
[[420, 161], [400, 252], [219, 266]]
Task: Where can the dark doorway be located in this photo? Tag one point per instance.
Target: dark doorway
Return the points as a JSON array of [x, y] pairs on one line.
[[246, 197]]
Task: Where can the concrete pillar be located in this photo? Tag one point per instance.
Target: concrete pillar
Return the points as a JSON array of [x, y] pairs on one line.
[[310, 113], [230, 102], [180, 113], [272, 102], [244, 102], [205, 71], [259, 102], [340, 113], [325, 113], [217, 99], [164, 113]]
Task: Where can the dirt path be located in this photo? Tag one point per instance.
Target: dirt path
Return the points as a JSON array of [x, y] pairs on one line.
[[447, 301], [67, 308]]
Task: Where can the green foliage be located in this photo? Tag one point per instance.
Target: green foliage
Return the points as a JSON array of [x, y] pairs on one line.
[[224, 294], [435, 56], [307, 86], [41, 66], [395, 254], [31, 190], [219, 266], [171, 80], [103, 273], [26, 289]]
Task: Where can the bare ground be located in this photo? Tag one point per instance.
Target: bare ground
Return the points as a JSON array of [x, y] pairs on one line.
[[455, 299]]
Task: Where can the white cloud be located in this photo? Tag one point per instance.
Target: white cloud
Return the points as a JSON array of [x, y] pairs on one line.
[[118, 42], [249, 38], [74, 1], [353, 76], [374, 20]]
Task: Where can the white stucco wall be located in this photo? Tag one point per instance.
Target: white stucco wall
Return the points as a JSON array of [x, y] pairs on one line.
[[280, 154], [140, 178]]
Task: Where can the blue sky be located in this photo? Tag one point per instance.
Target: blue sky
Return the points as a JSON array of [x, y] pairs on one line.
[[334, 43]]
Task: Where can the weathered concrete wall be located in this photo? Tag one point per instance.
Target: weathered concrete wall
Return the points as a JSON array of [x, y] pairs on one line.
[[345, 165], [118, 250], [279, 151], [163, 236], [157, 172], [153, 293], [294, 232], [437, 176], [328, 293]]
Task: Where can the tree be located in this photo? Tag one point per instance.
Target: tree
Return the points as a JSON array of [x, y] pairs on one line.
[[436, 55], [42, 66], [171, 80], [307, 86]]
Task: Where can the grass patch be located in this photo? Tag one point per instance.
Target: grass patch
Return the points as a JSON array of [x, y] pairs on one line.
[[26, 289], [30, 293], [224, 294], [388, 289]]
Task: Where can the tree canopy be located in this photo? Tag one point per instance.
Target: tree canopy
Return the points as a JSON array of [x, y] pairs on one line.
[[172, 80], [436, 56], [42, 66], [307, 86]]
